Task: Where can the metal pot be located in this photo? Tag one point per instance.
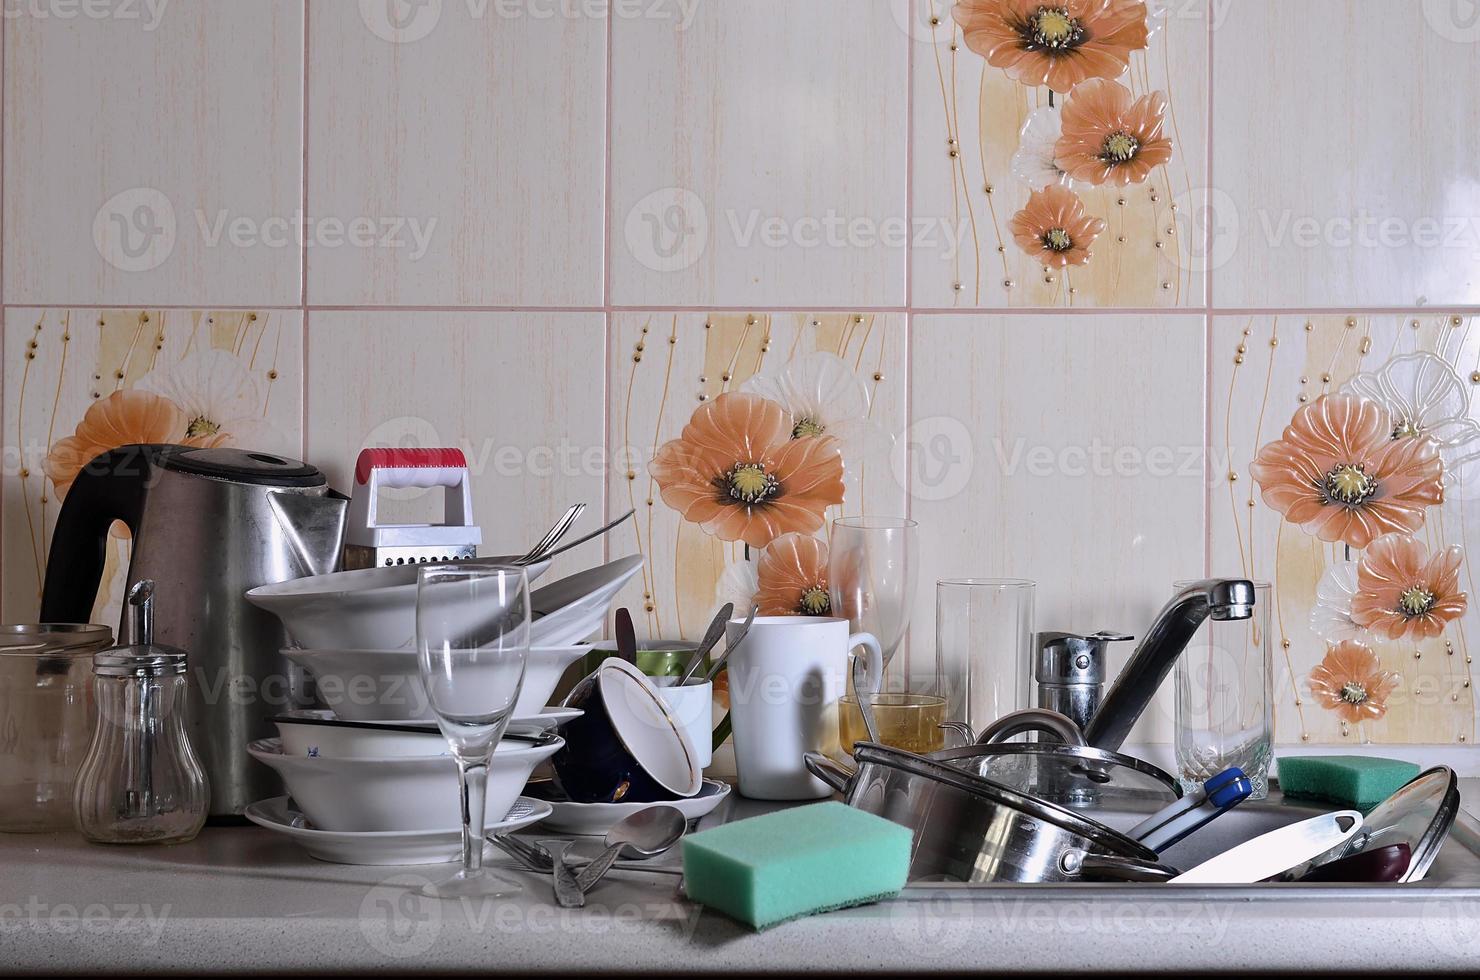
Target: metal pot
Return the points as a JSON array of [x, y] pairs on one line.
[[972, 829]]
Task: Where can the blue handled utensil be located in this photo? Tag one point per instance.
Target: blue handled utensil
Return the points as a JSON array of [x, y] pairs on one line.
[[1176, 820]]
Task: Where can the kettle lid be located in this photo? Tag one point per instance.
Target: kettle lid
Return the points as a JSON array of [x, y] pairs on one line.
[[244, 466]]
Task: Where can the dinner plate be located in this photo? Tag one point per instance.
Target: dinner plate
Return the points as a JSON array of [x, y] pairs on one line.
[[547, 720], [595, 819], [391, 847]]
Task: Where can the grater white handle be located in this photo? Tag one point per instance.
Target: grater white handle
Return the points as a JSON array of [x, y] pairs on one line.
[[377, 468]]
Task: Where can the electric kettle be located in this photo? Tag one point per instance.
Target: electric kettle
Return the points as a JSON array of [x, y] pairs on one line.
[[207, 525]]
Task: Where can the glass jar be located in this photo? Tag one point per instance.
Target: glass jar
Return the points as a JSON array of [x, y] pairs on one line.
[[141, 782], [47, 716]]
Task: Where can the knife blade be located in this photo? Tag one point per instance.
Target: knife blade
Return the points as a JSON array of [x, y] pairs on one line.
[[1275, 852]]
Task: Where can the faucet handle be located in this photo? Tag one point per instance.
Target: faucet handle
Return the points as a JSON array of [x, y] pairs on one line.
[[1069, 658]]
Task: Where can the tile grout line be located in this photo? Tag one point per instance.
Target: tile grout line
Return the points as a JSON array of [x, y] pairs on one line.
[[1208, 299], [303, 266], [3, 244], [606, 289], [909, 284]]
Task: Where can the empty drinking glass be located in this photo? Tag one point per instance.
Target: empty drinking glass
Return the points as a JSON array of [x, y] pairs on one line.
[[1225, 698], [983, 647], [472, 637], [871, 568]]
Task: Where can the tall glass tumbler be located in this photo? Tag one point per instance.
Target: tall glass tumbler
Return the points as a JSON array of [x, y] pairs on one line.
[[1225, 698], [983, 647]]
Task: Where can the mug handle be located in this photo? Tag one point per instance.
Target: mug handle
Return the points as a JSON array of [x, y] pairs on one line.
[[875, 659]]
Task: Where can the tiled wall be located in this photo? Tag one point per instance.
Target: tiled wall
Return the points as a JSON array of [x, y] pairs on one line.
[[547, 234]]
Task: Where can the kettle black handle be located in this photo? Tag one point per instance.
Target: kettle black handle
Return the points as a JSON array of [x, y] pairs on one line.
[[111, 487]]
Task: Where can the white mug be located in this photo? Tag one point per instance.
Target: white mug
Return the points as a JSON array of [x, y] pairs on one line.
[[785, 681], [692, 707]]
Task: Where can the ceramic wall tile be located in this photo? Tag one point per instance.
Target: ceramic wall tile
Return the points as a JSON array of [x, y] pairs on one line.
[[80, 381], [664, 367], [1065, 450], [758, 155], [969, 124], [154, 154], [1349, 179], [520, 394], [1422, 368], [471, 140]]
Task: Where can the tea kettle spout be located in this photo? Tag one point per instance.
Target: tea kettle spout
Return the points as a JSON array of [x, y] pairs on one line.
[[313, 527]]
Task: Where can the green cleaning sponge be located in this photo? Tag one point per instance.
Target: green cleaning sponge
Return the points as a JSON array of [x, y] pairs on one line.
[[795, 862], [1353, 780]]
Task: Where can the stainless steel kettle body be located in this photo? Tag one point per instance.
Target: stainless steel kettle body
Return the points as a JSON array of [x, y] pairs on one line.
[[207, 525]]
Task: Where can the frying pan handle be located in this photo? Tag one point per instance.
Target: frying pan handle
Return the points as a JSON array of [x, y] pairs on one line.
[[1083, 864], [1031, 720], [837, 776]]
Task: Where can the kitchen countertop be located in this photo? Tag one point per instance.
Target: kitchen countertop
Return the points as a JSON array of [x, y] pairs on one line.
[[239, 899]]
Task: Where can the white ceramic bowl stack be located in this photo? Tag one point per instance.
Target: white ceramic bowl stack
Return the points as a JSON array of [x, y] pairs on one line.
[[370, 780]]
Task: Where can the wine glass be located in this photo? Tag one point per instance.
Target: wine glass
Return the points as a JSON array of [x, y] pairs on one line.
[[472, 639], [871, 569]]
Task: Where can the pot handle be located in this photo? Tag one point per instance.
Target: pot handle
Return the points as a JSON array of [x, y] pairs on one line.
[[1083, 864], [1031, 720], [836, 775]]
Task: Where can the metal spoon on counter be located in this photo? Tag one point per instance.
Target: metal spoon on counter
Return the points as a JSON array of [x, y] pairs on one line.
[[645, 834]]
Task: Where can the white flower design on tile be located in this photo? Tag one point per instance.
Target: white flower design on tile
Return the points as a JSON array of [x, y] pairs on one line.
[[825, 397], [1034, 162], [1425, 397], [1331, 616], [738, 584], [220, 399]]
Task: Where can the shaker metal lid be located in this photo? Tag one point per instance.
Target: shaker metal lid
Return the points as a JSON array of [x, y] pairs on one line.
[[139, 661]]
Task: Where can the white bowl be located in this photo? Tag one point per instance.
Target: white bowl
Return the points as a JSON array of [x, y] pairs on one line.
[[385, 685], [410, 793], [367, 607], [572, 609], [319, 734]]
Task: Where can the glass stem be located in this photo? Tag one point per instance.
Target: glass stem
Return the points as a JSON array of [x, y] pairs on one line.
[[472, 780]]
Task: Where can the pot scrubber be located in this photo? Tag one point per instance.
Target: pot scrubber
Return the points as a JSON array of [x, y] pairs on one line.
[[1351, 780], [796, 862]]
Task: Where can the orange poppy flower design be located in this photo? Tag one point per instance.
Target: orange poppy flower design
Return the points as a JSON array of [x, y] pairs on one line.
[[1339, 474], [1402, 593], [1351, 682], [122, 418], [1107, 137], [737, 472], [1058, 43], [793, 577], [1053, 228]]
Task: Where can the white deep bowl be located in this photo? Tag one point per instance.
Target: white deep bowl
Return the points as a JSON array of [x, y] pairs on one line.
[[367, 607], [385, 685], [408, 793], [318, 734]]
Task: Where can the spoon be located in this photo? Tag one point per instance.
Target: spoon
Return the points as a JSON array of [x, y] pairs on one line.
[[865, 700], [711, 637], [647, 833], [730, 647]]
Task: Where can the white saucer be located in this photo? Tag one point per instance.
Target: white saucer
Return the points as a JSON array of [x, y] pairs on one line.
[[595, 819], [548, 719], [390, 847]]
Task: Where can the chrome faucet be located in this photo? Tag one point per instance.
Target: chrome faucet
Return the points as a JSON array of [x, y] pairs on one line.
[[1179, 619]]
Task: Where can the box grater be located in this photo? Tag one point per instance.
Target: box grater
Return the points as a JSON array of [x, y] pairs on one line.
[[369, 544]]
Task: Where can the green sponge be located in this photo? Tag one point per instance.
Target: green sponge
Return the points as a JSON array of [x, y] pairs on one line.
[[796, 862], [1353, 780]]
